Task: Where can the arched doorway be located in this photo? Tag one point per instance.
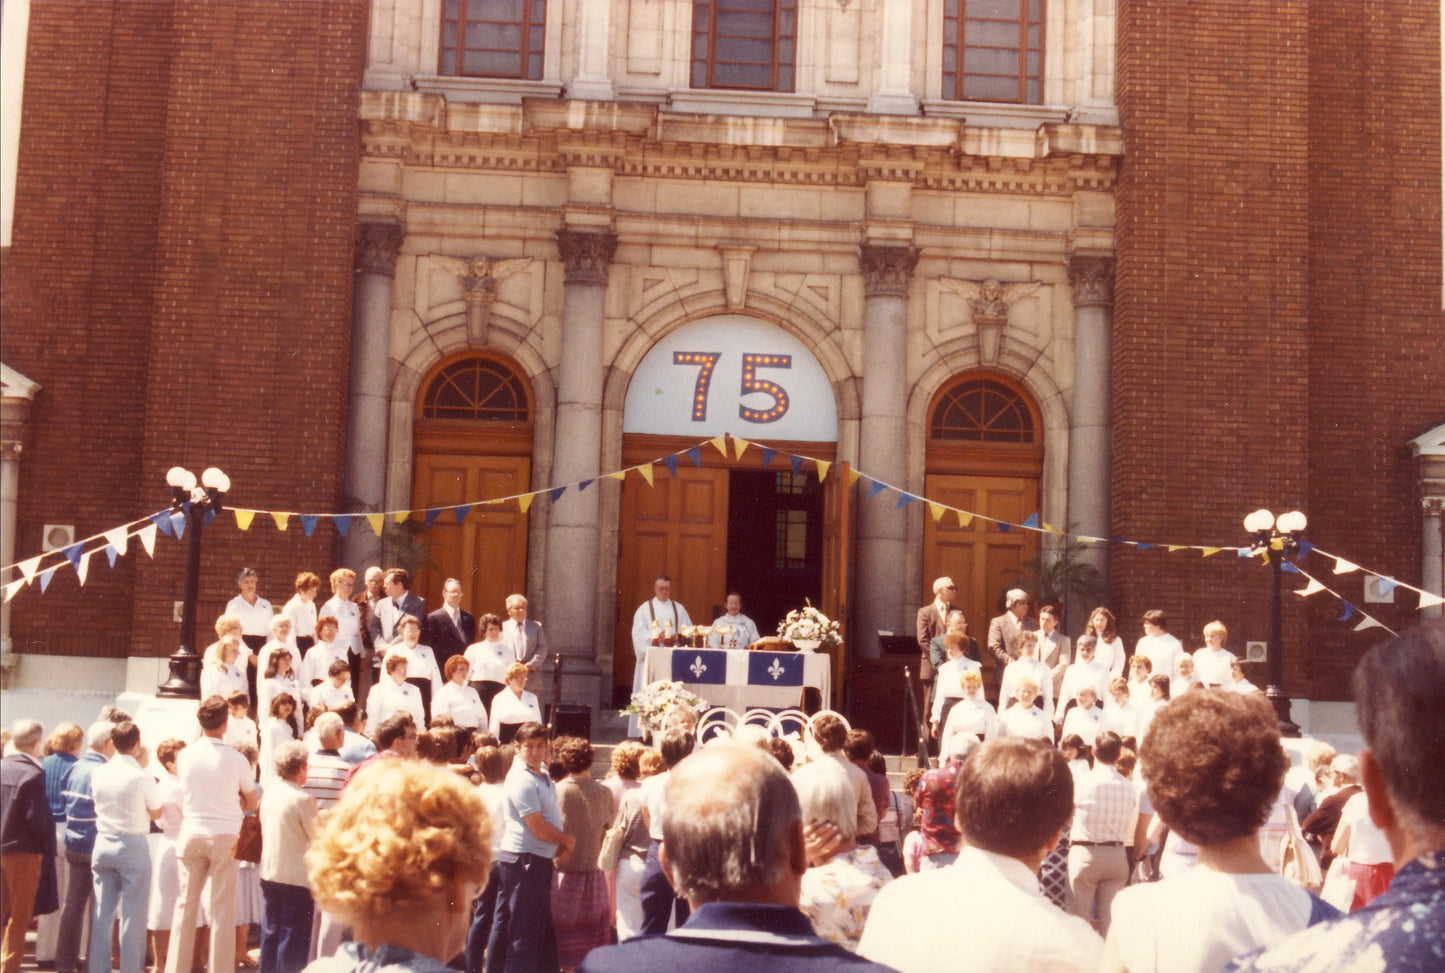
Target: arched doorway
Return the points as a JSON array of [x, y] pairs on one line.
[[473, 442], [984, 455], [772, 532]]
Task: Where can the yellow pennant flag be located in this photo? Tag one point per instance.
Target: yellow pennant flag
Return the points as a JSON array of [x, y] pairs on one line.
[[280, 520], [964, 519], [936, 511], [1211, 551], [619, 475], [377, 521], [853, 476], [400, 516], [525, 501], [646, 470], [243, 517], [1050, 528], [1277, 544], [720, 443], [739, 445], [823, 467], [1171, 548]]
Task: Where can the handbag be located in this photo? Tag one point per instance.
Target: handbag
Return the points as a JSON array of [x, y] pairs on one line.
[[616, 837], [248, 841]]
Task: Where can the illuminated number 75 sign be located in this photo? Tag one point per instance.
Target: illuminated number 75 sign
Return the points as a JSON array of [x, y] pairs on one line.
[[706, 363]]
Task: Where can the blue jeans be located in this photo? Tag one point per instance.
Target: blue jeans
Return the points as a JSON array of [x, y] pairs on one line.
[[659, 901], [522, 939], [120, 868], [285, 927], [481, 929]]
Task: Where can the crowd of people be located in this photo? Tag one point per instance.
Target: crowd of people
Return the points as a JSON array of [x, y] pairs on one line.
[[1166, 832]]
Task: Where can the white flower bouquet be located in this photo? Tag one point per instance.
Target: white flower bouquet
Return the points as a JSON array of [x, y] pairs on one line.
[[652, 704], [808, 626]]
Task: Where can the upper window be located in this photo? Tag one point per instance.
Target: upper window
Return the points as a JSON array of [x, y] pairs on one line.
[[993, 50], [744, 44], [493, 38], [981, 410], [476, 388]]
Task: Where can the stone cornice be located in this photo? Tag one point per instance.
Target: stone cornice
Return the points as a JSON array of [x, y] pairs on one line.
[[843, 150]]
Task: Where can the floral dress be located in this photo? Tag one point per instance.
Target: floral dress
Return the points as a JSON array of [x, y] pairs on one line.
[[837, 895]]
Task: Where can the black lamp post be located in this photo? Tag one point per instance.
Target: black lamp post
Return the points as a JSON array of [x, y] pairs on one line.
[[195, 500], [1278, 536]]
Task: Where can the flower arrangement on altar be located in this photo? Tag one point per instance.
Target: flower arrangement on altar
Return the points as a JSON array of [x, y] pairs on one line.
[[809, 627], [655, 700]]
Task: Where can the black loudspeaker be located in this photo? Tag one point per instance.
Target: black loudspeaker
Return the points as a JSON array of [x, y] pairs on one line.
[[570, 720]]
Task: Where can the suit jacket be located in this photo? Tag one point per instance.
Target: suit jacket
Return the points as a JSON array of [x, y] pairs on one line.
[[448, 638], [1056, 651], [929, 625], [724, 937], [388, 616], [26, 825], [1323, 821], [534, 641], [1003, 638]]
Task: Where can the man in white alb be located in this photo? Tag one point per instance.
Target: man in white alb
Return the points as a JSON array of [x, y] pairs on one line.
[[741, 630], [656, 622]]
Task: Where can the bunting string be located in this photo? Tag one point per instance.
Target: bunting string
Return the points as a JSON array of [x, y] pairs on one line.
[[115, 541]]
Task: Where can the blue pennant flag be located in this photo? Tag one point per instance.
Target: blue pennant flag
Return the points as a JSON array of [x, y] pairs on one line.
[[671, 464], [186, 508], [584, 485], [1286, 566], [904, 499], [178, 525], [768, 455], [1349, 611], [1244, 551], [775, 668], [1142, 546], [210, 516], [432, 515], [163, 521], [1387, 585], [1003, 526], [707, 667], [876, 487], [1116, 540], [308, 523], [462, 512], [111, 554], [72, 554], [556, 493], [343, 524], [797, 462], [695, 454], [1304, 548], [1032, 520], [45, 577]]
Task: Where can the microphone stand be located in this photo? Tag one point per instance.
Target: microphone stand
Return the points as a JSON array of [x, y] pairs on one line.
[[917, 720], [556, 692]]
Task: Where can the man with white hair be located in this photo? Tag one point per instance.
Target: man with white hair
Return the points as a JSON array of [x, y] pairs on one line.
[[326, 774], [27, 838], [127, 800], [1005, 631], [80, 844], [1319, 826], [932, 621], [734, 846]]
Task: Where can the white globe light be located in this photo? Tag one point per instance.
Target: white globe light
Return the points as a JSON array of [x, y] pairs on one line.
[[214, 479], [1258, 521], [1292, 522], [180, 478]]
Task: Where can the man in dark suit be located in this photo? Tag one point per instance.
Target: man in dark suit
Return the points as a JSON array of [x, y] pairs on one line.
[[931, 622], [27, 841], [398, 604], [451, 628], [733, 845], [1005, 631]]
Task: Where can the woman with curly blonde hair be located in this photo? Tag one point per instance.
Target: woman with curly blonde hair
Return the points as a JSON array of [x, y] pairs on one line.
[[400, 860]]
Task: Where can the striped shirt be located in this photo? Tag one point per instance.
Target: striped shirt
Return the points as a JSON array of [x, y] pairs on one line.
[[326, 774], [1104, 806]]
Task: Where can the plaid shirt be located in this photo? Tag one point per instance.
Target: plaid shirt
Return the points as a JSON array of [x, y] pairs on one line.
[[1104, 806]]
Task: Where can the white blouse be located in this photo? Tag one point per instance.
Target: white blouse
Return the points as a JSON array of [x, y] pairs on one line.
[[488, 661], [255, 619], [274, 732], [462, 704], [387, 697], [269, 689], [1087, 723], [507, 708], [974, 716], [1211, 667], [1110, 655], [348, 622], [263, 658], [421, 663], [332, 697], [303, 617], [318, 659], [218, 679], [1016, 721]]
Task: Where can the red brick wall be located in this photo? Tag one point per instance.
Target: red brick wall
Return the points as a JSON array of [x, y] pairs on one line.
[[1277, 320], [184, 221]]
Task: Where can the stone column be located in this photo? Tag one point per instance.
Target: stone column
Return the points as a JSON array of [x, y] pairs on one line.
[[16, 394], [574, 521], [1091, 431], [593, 37], [367, 427], [1432, 555], [895, 61], [882, 602]]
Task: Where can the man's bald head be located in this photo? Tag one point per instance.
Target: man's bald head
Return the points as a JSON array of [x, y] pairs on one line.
[[733, 830]]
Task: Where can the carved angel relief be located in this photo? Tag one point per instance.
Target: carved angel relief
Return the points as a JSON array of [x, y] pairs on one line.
[[479, 277], [989, 301]]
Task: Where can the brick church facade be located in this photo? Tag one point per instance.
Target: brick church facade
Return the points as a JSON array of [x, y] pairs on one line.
[[1134, 268]]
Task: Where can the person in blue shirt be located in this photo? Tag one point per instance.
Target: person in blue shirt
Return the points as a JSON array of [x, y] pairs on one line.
[[79, 843], [63, 748], [522, 938], [354, 747]]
